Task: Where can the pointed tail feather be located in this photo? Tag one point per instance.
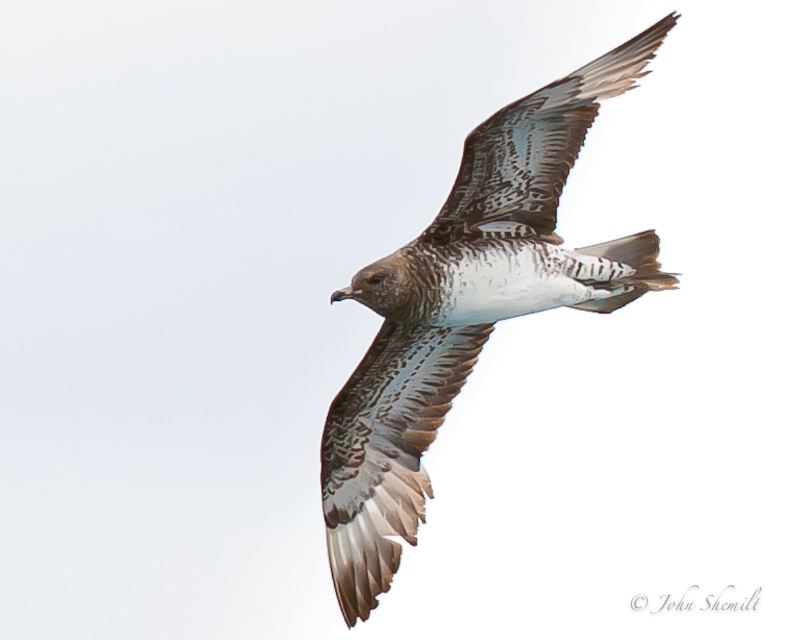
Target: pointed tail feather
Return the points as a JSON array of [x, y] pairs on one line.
[[639, 251]]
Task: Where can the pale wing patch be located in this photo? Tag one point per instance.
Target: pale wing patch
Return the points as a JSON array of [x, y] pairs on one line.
[[362, 556], [505, 229]]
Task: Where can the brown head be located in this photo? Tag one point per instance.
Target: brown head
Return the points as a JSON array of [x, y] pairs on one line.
[[382, 286]]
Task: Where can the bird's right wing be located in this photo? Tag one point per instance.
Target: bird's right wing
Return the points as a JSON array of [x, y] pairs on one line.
[[515, 164], [378, 426]]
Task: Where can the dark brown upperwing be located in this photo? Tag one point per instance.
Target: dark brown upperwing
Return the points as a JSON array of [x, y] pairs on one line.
[[515, 164], [378, 426]]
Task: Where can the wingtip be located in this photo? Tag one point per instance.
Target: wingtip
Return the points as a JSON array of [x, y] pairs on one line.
[[615, 72], [671, 19]]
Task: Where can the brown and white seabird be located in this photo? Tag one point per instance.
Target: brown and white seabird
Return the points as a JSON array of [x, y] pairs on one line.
[[492, 253]]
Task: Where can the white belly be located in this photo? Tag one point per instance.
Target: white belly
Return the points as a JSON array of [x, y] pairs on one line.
[[509, 280]]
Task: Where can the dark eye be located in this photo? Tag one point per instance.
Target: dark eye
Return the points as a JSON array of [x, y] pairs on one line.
[[376, 279]]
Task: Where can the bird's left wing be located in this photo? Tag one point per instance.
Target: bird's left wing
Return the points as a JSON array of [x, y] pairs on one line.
[[515, 164], [378, 426]]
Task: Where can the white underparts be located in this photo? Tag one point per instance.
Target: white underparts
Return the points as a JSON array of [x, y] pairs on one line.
[[505, 279]]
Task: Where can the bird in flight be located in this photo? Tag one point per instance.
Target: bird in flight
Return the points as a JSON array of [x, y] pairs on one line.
[[492, 253]]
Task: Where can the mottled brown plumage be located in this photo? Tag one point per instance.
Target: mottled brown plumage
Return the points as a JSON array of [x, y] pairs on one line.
[[501, 215], [363, 462]]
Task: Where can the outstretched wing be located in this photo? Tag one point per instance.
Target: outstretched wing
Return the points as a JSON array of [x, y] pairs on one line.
[[378, 426], [516, 163]]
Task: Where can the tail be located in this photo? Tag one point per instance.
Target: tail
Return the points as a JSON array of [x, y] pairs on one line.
[[639, 251]]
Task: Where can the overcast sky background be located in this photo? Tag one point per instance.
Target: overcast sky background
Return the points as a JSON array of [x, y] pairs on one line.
[[183, 184]]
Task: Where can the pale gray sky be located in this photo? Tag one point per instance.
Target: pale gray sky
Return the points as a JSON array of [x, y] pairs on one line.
[[182, 185]]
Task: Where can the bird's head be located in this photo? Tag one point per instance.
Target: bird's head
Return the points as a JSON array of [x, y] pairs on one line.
[[381, 286]]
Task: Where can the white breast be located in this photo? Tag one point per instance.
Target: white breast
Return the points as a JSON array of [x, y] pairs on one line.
[[507, 279]]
